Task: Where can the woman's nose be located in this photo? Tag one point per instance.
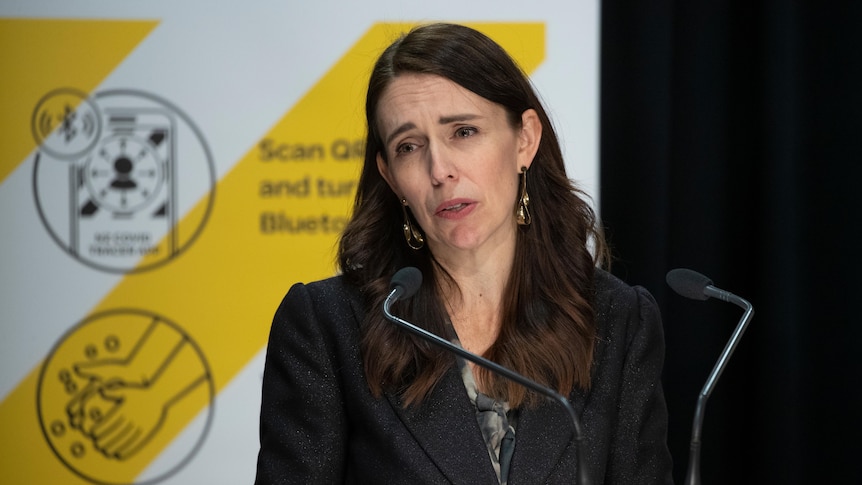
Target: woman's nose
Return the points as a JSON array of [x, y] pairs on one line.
[[442, 164]]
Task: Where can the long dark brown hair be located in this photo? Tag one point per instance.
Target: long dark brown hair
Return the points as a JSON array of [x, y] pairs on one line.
[[548, 327]]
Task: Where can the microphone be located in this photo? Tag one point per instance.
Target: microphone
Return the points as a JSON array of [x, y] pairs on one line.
[[696, 286], [404, 284]]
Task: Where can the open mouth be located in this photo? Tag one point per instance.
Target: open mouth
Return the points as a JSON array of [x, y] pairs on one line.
[[456, 207]]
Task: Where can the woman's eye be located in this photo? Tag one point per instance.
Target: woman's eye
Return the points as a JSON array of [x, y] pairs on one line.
[[405, 148], [465, 132]]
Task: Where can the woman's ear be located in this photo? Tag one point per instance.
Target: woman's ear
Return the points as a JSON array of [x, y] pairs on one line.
[[383, 168], [529, 137]]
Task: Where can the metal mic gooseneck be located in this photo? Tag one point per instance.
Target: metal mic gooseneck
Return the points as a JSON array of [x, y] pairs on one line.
[[694, 285]]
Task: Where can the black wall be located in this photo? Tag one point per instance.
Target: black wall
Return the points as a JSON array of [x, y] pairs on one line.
[[731, 144]]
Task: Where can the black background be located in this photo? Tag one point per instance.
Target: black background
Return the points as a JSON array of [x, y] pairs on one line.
[[730, 144]]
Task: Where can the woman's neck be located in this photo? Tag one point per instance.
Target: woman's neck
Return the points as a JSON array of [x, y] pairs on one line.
[[474, 298]]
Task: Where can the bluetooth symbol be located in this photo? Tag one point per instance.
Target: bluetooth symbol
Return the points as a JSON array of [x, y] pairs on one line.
[[66, 123], [68, 126]]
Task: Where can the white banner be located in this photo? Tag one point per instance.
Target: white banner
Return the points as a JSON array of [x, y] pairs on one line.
[[167, 170]]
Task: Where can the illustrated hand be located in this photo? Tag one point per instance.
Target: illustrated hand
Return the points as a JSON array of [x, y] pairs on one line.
[[141, 367], [129, 424], [127, 399], [112, 372], [88, 408]]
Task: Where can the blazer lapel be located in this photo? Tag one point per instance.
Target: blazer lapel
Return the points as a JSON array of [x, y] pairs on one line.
[[445, 427], [543, 441]]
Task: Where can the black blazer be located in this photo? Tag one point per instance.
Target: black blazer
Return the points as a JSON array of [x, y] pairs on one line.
[[321, 425]]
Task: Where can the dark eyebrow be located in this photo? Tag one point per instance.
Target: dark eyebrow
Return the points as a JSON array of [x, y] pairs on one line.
[[455, 118], [444, 120], [401, 129]]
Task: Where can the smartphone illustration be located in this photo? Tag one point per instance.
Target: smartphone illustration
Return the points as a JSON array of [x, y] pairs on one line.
[[123, 191]]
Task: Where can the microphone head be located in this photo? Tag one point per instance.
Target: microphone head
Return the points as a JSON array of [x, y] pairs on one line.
[[409, 279], [688, 283]]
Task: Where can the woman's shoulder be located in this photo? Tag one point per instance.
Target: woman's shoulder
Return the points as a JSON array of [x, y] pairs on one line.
[[333, 286], [326, 311], [610, 289], [605, 281], [618, 301], [332, 296]]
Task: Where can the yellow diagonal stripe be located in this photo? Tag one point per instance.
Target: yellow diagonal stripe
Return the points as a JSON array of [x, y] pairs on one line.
[[40, 55], [224, 289]]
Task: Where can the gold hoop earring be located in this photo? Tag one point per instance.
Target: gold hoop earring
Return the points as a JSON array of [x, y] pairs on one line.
[[523, 212], [414, 238]]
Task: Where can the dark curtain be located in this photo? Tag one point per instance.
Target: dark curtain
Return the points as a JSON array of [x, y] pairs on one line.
[[730, 144]]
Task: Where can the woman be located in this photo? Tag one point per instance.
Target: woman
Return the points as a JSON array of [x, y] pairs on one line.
[[464, 179]]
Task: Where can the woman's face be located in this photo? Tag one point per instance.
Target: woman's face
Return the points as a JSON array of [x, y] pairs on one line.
[[456, 159]]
